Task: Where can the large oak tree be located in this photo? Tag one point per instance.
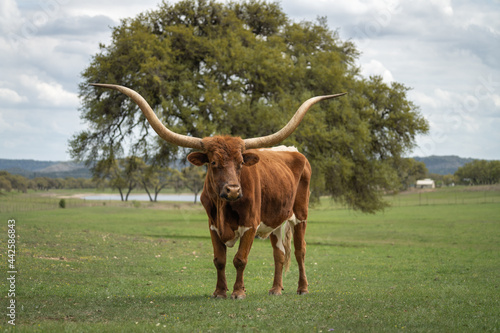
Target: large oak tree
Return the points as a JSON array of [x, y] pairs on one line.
[[243, 68]]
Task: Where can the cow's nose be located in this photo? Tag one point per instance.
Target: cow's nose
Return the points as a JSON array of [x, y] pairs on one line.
[[231, 192]]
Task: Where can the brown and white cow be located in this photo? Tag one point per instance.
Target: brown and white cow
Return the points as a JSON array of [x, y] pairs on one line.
[[248, 192]]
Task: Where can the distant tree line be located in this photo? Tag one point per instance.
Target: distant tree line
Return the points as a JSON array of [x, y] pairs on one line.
[[479, 172]]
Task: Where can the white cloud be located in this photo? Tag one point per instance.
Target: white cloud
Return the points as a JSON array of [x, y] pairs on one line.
[[113, 9], [496, 100], [51, 94], [422, 99], [444, 6], [375, 67], [9, 15], [9, 96]]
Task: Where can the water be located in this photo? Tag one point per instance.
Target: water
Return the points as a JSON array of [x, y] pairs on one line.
[[143, 197]]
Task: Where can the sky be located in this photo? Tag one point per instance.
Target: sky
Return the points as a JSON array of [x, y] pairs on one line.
[[447, 51]]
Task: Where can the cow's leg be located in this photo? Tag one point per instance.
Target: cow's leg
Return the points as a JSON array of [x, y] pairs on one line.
[[279, 260], [300, 209], [300, 254], [299, 233], [220, 265], [240, 261]]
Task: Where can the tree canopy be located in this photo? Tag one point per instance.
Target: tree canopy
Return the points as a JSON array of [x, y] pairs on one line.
[[243, 68]]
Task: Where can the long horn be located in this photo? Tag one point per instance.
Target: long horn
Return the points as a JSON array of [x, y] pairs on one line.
[[163, 132], [270, 140]]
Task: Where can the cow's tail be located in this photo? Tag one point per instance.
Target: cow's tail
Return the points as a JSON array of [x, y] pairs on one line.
[[287, 244]]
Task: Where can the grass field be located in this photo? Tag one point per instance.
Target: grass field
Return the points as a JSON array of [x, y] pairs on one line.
[[431, 263]]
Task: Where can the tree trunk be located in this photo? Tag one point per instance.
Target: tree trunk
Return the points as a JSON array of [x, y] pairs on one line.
[[121, 193], [149, 195], [129, 190]]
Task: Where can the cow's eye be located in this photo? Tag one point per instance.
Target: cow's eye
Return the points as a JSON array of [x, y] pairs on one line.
[[213, 163]]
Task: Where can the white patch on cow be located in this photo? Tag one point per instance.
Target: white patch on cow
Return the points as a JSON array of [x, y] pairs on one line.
[[293, 220], [237, 235], [280, 148], [214, 228], [263, 231], [279, 234]]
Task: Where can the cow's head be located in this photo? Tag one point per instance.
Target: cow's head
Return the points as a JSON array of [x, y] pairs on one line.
[[225, 156]]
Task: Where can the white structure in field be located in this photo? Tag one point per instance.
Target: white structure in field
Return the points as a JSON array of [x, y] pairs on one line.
[[425, 183]]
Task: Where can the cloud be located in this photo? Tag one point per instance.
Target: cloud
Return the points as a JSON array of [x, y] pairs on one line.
[[37, 132], [444, 141], [428, 8], [78, 26], [50, 94], [9, 15], [113, 9], [8, 96], [479, 41], [375, 67], [496, 100]]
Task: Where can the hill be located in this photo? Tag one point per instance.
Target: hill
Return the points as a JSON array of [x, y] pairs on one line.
[[27, 165], [51, 169], [443, 165]]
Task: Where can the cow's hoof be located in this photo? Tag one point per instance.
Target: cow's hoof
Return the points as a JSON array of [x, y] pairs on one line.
[[302, 292], [218, 295], [275, 291], [238, 295]]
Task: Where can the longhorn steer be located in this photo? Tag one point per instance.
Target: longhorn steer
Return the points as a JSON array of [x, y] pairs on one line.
[[248, 192]]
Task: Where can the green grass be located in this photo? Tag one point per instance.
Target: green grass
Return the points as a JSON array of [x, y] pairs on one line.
[[416, 267]]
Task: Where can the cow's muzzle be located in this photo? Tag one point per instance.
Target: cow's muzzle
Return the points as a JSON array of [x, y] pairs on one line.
[[231, 192]]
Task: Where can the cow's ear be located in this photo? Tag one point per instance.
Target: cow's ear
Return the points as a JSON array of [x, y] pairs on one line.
[[198, 158], [250, 159]]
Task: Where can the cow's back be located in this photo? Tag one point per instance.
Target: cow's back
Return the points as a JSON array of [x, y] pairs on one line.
[[279, 172]]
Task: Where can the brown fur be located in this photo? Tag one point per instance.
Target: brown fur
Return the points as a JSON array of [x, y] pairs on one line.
[[274, 185]]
